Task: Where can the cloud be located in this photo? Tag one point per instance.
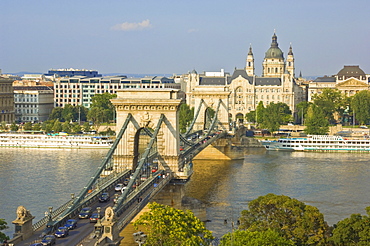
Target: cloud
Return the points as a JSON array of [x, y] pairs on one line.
[[127, 26]]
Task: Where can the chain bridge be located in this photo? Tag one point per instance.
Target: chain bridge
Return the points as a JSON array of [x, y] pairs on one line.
[[148, 153]]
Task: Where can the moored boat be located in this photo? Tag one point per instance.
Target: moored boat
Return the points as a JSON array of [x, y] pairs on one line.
[[26, 140], [319, 143]]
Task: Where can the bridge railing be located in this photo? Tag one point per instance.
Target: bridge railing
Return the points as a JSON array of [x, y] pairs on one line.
[[106, 184], [128, 218]]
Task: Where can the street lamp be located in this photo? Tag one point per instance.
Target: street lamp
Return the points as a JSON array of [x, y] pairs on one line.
[[139, 237]]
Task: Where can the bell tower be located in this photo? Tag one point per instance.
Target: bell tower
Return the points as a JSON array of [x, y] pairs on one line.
[[249, 68], [290, 62]]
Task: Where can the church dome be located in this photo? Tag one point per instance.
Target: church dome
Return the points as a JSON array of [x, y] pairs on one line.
[[274, 51]]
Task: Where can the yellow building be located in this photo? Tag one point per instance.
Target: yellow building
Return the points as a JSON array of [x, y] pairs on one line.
[[6, 100]]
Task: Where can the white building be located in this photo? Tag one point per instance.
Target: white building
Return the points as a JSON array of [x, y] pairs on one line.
[[33, 103]]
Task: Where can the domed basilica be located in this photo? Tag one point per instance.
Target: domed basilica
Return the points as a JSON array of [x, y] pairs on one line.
[[277, 83]]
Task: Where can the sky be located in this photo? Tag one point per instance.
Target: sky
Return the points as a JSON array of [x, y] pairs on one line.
[[175, 37]]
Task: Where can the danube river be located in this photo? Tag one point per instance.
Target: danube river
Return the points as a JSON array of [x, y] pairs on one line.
[[336, 183]]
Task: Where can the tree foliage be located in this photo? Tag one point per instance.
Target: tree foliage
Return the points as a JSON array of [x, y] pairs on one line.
[[14, 127], [168, 226], [316, 122], [27, 126], [302, 110], [3, 226], [330, 101], [360, 105], [352, 231], [69, 113], [186, 115], [274, 115], [292, 219], [102, 109], [249, 238]]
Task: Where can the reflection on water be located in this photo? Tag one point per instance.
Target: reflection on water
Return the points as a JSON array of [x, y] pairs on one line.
[[335, 183], [40, 178]]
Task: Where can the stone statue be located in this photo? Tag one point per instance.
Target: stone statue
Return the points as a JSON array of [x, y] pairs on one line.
[[109, 214], [22, 213], [145, 119]]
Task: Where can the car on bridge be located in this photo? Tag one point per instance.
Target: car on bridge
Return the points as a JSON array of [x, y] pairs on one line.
[[48, 240], [85, 213], [118, 187], [71, 224], [104, 197], [94, 217], [61, 232]]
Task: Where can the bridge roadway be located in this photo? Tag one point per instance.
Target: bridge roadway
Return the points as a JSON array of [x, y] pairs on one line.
[[84, 233]]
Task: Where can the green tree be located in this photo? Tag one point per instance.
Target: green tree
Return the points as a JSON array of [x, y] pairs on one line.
[[56, 113], [302, 110], [76, 127], [86, 127], [27, 126], [102, 109], [352, 231], [168, 226], [260, 112], [47, 126], [316, 122], [57, 126], [3, 126], [360, 105], [330, 101], [96, 115], [274, 115], [186, 115], [14, 127], [292, 219], [251, 116], [69, 113], [36, 127], [66, 127], [249, 238], [3, 226]]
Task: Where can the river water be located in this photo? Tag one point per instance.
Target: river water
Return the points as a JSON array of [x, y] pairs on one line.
[[336, 183]]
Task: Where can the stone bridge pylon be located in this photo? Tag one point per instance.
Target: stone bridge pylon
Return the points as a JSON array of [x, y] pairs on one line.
[[146, 107]]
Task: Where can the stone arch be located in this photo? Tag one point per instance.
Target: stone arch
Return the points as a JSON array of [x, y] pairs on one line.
[[141, 141], [239, 118], [144, 108], [209, 115]]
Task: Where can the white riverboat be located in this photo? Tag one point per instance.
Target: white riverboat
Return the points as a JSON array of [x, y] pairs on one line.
[[54, 141], [319, 143]]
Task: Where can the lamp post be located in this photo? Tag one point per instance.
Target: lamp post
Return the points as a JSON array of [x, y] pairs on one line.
[[139, 237], [98, 225]]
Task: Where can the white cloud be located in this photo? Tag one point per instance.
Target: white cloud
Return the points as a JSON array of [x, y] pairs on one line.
[[127, 26]]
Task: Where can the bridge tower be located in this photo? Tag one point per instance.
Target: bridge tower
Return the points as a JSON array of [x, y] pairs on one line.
[[211, 96], [146, 107]]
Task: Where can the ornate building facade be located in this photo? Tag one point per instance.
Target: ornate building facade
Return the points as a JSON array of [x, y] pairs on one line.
[[277, 83], [6, 100], [349, 81]]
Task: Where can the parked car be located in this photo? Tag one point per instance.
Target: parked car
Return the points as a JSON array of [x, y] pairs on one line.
[[48, 240], [94, 217], [104, 197], [71, 224], [118, 187], [61, 232], [85, 213]]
